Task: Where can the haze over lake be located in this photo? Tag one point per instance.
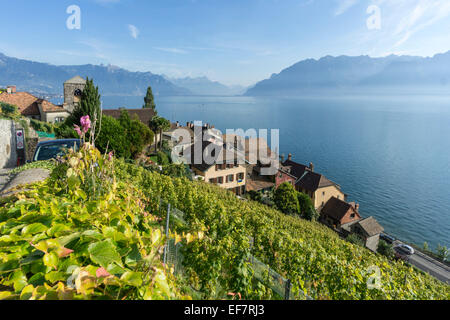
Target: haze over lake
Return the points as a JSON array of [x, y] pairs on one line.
[[390, 153]]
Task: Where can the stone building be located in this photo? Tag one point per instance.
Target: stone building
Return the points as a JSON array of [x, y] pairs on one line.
[[72, 92]]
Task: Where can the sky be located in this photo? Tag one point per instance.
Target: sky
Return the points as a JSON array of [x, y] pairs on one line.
[[236, 42]]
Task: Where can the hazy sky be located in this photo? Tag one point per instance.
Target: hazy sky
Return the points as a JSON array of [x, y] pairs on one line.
[[232, 41]]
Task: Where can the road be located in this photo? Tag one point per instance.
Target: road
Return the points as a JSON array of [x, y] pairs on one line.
[[429, 265]]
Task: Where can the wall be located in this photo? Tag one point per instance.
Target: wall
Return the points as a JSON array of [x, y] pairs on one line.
[[331, 191], [372, 242], [212, 173], [284, 178], [8, 154], [51, 116]]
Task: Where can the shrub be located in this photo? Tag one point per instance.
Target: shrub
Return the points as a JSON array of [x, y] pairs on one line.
[[162, 158], [385, 249], [113, 137], [285, 198], [307, 209], [42, 126], [9, 110]]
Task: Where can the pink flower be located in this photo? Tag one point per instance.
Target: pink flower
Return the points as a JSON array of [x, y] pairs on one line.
[[110, 155], [77, 129], [85, 123], [102, 273]]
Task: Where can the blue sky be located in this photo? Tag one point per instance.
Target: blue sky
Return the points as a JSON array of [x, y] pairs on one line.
[[232, 41]]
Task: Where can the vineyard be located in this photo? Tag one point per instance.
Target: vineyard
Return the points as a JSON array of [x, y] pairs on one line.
[[317, 261], [97, 232]]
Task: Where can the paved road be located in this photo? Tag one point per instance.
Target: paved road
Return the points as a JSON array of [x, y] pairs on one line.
[[429, 265], [8, 185]]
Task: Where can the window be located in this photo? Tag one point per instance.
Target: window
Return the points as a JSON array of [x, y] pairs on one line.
[[212, 181], [220, 180], [352, 215], [230, 178], [323, 193]]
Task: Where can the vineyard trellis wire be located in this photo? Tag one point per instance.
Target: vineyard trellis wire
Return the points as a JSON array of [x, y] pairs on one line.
[[262, 272]]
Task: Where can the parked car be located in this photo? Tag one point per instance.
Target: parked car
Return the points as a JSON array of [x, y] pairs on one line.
[[404, 248], [387, 238], [51, 149]]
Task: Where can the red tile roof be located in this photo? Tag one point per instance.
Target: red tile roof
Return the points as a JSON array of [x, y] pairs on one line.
[[28, 104], [25, 102]]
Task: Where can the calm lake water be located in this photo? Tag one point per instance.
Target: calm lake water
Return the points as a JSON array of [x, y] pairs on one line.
[[390, 154]]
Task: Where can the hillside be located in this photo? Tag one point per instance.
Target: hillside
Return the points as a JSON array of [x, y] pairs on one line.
[[359, 74], [43, 78], [110, 233]]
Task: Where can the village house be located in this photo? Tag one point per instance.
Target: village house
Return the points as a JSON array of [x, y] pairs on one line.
[[337, 213], [228, 174], [315, 185], [368, 230]]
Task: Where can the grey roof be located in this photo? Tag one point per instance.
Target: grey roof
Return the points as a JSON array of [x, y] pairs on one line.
[[307, 179], [371, 226], [76, 80]]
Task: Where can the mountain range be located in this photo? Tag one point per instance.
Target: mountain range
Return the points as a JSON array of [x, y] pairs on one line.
[[359, 74], [344, 74], [46, 79]]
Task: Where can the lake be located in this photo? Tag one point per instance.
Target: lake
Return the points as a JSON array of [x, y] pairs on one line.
[[390, 154]]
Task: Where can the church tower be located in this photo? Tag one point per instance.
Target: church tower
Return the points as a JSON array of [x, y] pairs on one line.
[[72, 92]]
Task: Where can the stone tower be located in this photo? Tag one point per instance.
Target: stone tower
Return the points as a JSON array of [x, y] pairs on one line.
[[72, 92]]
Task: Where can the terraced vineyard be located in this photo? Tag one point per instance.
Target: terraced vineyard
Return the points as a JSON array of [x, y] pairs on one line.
[[317, 261]]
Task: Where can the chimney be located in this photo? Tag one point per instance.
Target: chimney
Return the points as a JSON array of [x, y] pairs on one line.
[[191, 125], [177, 124], [290, 156], [357, 207], [11, 89], [282, 158], [311, 167]]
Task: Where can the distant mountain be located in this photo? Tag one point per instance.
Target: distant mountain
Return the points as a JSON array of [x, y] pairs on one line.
[[204, 86], [43, 78], [359, 74]]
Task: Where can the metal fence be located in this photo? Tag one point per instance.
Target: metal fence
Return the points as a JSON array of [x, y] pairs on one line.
[[262, 272]]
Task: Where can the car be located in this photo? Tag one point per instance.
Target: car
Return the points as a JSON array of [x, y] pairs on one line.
[[404, 248], [387, 238], [51, 149]]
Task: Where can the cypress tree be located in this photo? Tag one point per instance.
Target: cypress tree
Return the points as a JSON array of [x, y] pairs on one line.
[[89, 104], [149, 100]]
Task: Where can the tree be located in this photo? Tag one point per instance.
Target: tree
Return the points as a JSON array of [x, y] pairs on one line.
[[149, 100], [442, 252], [113, 137], [159, 124], [89, 105], [385, 249], [285, 198], [307, 210]]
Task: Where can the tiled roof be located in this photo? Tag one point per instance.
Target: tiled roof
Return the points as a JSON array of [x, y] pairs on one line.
[[28, 104], [371, 226], [49, 107], [306, 178], [337, 209], [255, 181], [144, 114]]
